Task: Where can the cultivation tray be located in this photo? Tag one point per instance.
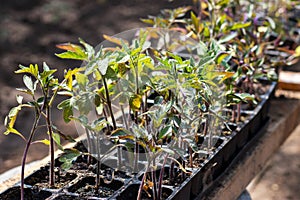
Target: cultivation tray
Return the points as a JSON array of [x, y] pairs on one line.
[[76, 184]]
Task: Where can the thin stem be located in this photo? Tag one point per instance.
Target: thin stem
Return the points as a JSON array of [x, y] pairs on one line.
[[109, 104], [33, 129], [153, 177], [98, 164], [159, 193], [51, 148], [191, 157], [238, 117], [108, 101], [139, 196], [89, 143]]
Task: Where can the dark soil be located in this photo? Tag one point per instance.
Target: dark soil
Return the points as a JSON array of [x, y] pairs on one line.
[[132, 192], [86, 187], [14, 193], [29, 31], [40, 179]]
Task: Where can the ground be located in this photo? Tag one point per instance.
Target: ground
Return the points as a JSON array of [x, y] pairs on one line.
[[280, 178], [29, 31]]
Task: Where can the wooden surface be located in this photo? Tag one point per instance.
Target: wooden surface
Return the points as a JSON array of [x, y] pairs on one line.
[[284, 117], [289, 80]]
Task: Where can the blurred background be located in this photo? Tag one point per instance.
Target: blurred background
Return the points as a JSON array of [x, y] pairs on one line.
[[29, 31]]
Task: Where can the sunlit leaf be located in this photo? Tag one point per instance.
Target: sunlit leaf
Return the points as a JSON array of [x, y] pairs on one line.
[[82, 80], [71, 55], [240, 25], [19, 99], [195, 21], [12, 130], [103, 65], [44, 141], [114, 40], [135, 102]]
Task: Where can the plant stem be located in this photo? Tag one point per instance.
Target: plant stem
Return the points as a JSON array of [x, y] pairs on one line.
[[98, 164], [139, 196], [159, 193], [89, 143], [32, 131], [109, 104], [51, 148], [238, 117], [108, 101], [153, 177], [191, 156]]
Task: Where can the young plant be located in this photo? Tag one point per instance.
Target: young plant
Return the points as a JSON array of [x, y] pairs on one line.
[[42, 87]]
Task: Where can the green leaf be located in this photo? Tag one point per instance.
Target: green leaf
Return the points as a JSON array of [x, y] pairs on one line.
[[19, 99], [88, 48], [12, 130], [56, 138], [68, 157], [148, 21], [102, 66], [271, 22], [82, 80], [227, 37], [165, 132], [12, 115], [32, 70], [122, 133], [169, 151], [195, 21], [240, 25], [135, 102], [71, 55], [124, 59], [223, 2], [44, 141], [67, 113], [29, 83], [99, 124]]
